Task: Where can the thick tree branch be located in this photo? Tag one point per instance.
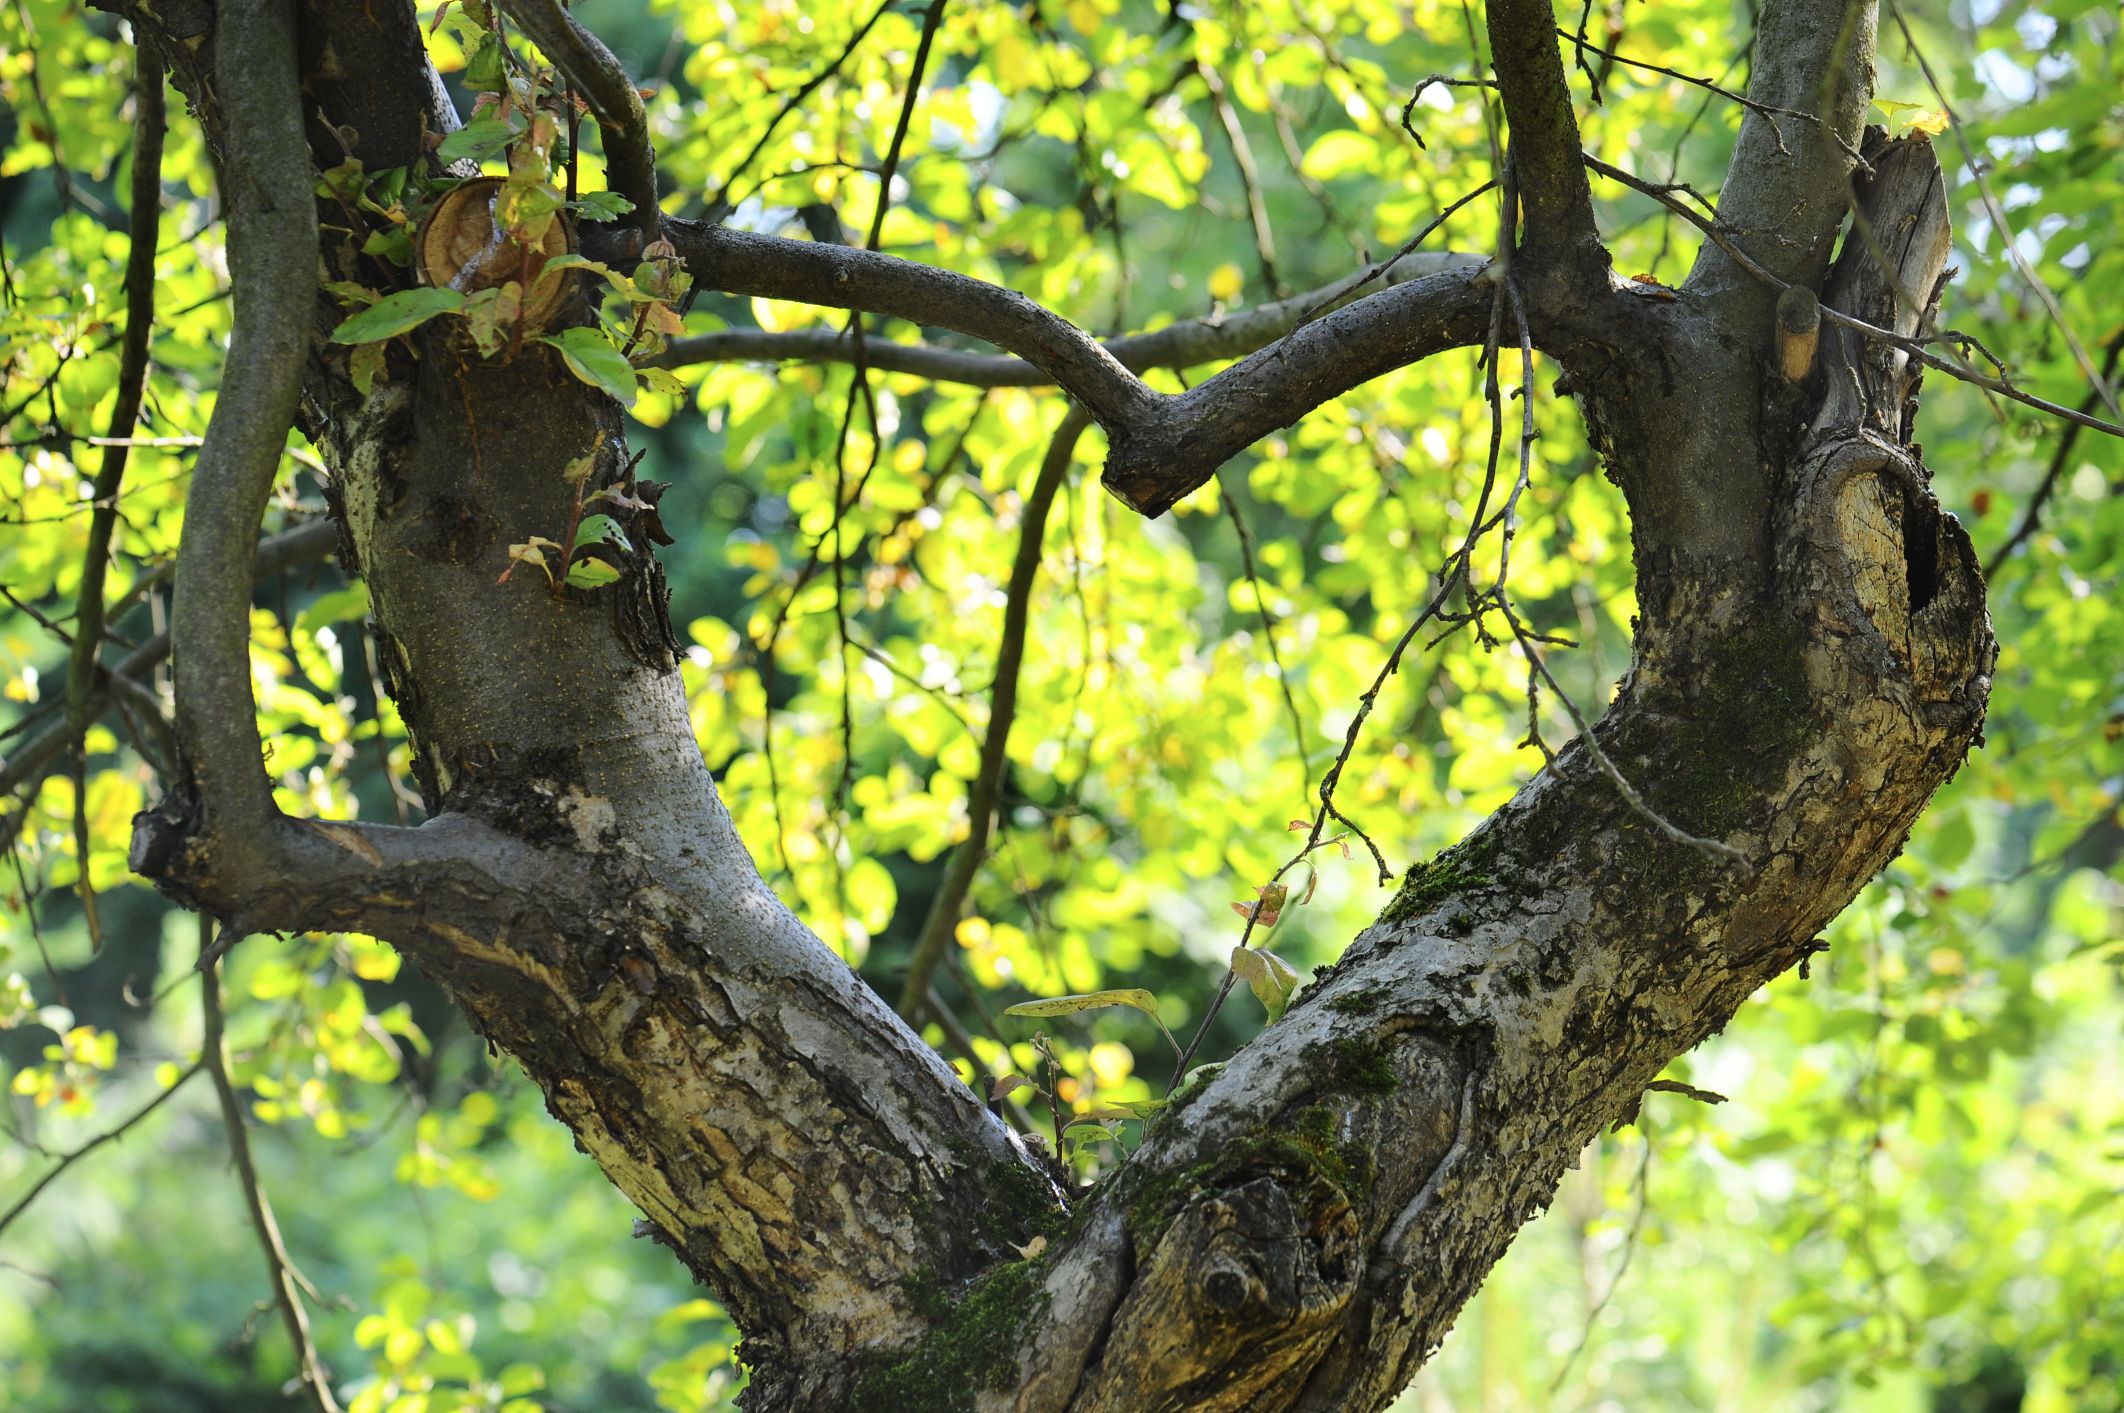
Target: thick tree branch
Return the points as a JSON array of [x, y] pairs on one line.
[[1154, 463], [630, 160], [1162, 446], [1544, 133], [273, 260], [1788, 183], [842, 277], [1187, 344]]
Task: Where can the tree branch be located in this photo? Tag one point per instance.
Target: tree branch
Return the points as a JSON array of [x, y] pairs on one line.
[[1157, 461], [1544, 132], [630, 160], [841, 277], [966, 861], [1790, 182], [1162, 446], [214, 1056], [144, 237], [273, 259], [1183, 345]]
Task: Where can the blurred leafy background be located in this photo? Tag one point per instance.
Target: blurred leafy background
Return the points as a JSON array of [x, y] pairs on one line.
[[1912, 1199]]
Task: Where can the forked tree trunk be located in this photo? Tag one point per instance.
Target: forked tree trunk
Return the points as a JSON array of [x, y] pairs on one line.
[[1811, 663]]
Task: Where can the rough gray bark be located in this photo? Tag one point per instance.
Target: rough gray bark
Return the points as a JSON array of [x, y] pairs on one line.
[[1812, 662]]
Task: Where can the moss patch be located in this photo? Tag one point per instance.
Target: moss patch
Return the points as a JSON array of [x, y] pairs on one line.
[[970, 1348], [1364, 1065], [1426, 884], [1021, 1202], [1751, 711], [1302, 1143], [1364, 1001]]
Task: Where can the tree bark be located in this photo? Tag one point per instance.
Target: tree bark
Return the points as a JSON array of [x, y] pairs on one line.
[[1811, 663]]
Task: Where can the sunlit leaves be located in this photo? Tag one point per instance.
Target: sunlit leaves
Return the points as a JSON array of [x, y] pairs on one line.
[[591, 357], [397, 313]]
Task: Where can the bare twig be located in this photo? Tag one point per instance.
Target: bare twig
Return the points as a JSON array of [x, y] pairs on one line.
[[2032, 513], [1914, 347], [1268, 628], [721, 200], [287, 1295], [2098, 381], [1622, 1268], [987, 786], [116, 1131], [144, 235]]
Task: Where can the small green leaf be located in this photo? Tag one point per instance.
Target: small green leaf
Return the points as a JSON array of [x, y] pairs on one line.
[[574, 261], [591, 574], [366, 366], [396, 313], [596, 528], [479, 139], [1089, 1001], [394, 244], [591, 357], [350, 293], [601, 205], [487, 70]]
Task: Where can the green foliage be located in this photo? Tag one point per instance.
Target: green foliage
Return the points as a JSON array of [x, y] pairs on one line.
[[1914, 1188]]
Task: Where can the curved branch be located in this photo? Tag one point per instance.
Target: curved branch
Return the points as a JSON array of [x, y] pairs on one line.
[[273, 259], [1544, 131], [1162, 447], [144, 237], [1156, 461], [1010, 657], [1183, 345], [287, 1294], [115, 1131], [630, 160], [842, 277]]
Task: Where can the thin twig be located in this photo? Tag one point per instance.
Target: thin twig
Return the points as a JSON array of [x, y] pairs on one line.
[[1622, 1268], [75, 1155], [1268, 627], [1914, 347], [145, 233], [287, 1295], [987, 786], [2032, 513], [720, 201], [2098, 381]]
